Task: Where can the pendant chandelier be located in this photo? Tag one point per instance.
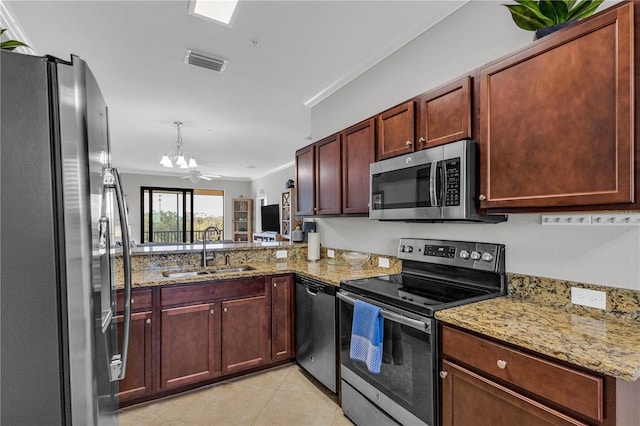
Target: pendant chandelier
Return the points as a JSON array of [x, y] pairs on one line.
[[179, 158]]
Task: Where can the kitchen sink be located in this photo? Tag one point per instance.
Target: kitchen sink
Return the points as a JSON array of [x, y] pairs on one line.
[[184, 274], [227, 270]]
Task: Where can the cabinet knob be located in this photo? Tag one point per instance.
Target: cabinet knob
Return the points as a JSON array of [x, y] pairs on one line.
[[275, 285], [212, 312], [148, 320], [225, 309], [408, 143], [501, 364], [482, 197], [422, 140], [443, 374], [132, 301]]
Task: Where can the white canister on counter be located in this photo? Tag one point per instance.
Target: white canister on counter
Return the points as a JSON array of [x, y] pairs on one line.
[[313, 246]]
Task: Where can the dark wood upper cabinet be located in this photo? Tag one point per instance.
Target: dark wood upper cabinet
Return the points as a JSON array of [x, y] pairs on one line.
[[445, 114], [328, 175], [305, 181], [358, 151], [557, 118], [396, 131]]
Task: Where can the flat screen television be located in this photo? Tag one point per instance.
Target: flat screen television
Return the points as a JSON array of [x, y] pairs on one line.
[[270, 216]]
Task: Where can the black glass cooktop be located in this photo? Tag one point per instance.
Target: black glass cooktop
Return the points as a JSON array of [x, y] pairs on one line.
[[415, 293]]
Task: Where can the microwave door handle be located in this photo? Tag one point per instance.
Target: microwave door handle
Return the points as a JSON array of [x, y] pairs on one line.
[[118, 365], [433, 196], [441, 188]]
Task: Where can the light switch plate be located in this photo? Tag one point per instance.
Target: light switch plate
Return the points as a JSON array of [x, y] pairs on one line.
[[281, 254], [586, 297], [383, 262], [331, 253]]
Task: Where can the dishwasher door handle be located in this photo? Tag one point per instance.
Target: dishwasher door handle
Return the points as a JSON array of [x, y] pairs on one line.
[[392, 316], [311, 292]]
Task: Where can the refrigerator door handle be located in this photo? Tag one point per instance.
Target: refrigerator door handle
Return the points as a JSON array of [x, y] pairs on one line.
[[118, 364], [107, 286]]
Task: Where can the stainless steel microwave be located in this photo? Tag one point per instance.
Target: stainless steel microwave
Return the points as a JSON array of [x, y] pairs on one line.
[[433, 185]]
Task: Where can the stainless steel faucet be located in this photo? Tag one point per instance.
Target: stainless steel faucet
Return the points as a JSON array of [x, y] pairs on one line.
[[204, 244]]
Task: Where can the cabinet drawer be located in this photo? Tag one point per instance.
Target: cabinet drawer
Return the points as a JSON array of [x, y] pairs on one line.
[[212, 291], [140, 299], [575, 390]]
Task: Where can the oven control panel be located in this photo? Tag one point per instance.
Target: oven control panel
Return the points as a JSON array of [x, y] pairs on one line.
[[466, 254]]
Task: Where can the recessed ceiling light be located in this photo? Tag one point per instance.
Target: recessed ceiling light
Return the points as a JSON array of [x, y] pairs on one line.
[[216, 10], [251, 166]]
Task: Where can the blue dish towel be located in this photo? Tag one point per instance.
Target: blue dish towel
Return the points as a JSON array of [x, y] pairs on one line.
[[366, 335]]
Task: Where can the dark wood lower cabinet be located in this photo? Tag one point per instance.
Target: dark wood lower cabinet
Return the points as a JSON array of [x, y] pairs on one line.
[[245, 331], [185, 336], [188, 352], [138, 376], [470, 399], [282, 317]]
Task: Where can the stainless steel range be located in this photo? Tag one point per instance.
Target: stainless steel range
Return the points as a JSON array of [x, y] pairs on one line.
[[436, 274]]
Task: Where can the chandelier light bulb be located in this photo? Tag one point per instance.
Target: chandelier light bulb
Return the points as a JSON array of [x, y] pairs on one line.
[[166, 162], [192, 163]]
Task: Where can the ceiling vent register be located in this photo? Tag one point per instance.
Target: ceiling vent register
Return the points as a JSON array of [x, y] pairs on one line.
[[205, 61]]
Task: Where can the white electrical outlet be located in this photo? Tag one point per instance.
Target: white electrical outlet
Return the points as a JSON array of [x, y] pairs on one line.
[[281, 254], [628, 219], [586, 297], [331, 253], [383, 262], [565, 219]]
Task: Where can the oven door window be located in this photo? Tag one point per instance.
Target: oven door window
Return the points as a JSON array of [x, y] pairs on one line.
[[406, 374], [409, 187]]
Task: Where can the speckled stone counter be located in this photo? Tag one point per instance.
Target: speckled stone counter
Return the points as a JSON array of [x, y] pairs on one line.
[[148, 265], [601, 341]]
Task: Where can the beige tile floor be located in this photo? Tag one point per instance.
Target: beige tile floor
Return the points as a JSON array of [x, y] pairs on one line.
[[284, 396]]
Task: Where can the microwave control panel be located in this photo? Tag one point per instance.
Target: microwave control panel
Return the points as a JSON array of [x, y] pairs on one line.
[[452, 179]]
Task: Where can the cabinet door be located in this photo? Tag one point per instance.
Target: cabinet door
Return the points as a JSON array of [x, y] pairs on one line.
[[328, 176], [188, 348], [137, 381], [245, 329], [556, 120], [282, 318], [469, 399], [305, 181], [358, 151], [396, 131], [445, 114]]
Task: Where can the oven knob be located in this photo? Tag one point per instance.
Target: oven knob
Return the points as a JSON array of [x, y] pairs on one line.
[[407, 249], [475, 255], [488, 257], [464, 254]]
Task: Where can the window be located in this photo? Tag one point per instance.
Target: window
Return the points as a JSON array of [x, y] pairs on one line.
[[174, 215]]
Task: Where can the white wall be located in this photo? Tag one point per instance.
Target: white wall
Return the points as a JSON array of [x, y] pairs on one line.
[[477, 33], [272, 185], [132, 182]]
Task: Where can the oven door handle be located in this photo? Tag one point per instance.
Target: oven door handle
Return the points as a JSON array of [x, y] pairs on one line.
[[392, 316]]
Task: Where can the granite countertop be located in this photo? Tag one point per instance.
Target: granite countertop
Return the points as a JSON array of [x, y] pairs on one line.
[[599, 342], [328, 271]]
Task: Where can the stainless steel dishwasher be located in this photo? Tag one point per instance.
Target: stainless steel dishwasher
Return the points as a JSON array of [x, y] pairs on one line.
[[316, 319]]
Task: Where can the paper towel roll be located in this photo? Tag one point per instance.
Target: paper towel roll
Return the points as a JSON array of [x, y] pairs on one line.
[[313, 246]]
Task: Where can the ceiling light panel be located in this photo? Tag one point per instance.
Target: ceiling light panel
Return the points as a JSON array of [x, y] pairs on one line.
[[216, 10]]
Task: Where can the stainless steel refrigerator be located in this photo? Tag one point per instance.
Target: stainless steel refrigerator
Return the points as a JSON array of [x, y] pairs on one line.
[[60, 204]]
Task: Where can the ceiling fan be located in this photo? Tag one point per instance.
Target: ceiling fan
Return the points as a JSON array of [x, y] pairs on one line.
[[195, 176]]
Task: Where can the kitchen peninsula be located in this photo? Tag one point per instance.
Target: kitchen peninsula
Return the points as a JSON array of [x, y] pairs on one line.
[[233, 317]]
